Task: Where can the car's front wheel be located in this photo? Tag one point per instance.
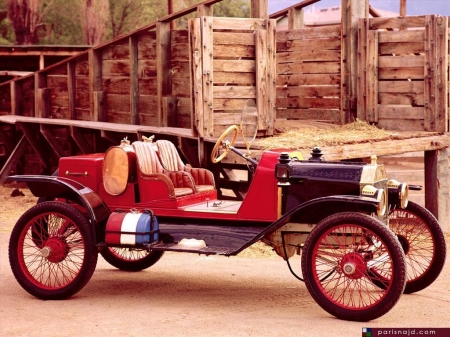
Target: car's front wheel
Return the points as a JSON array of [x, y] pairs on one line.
[[342, 255]]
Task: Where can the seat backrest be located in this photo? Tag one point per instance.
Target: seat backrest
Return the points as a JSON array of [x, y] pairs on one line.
[[147, 158], [169, 156]]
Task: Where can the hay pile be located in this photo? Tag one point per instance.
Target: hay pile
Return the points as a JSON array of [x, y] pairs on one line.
[[356, 132]]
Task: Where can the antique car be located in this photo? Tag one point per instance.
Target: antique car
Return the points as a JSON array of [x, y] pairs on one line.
[[361, 242]]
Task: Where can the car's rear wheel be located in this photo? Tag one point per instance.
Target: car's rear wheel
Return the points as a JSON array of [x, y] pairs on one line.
[[52, 251], [130, 259], [338, 256]]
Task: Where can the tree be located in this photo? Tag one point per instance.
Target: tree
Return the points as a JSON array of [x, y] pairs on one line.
[[26, 17], [94, 20]]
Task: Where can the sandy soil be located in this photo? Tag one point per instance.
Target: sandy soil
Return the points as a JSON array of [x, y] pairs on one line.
[[192, 295]]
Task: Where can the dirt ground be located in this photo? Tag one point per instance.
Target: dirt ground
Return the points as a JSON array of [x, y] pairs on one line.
[[190, 295]]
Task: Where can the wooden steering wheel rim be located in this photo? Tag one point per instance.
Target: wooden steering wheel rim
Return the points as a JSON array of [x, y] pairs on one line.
[[219, 142]]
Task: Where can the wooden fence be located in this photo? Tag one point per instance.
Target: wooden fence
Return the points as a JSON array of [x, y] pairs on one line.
[[403, 72]]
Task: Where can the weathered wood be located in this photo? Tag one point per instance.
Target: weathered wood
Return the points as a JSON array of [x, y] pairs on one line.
[[401, 86], [169, 110], [362, 92], [309, 55], [13, 159], [414, 73], [79, 139], [134, 80], [207, 24], [401, 60], [71, 89], [163, 52], [402, 48], [441, 69], [204, 10], [196, 71], [224, 23], [271, 75], [234, 65], [51, 140], [397, 22], [309, 68], [352, 11], [400, 112], [308, 79], [43, 102], [429, 82], [261, 72], [40, 81], [326, 32], [31, 133], [323, 44], [437, 183], [296, 18], [401, 36], [258, 9], [99, 102], [310, 114], [308, 91], [410, 99], [372, 77], [95, 85], [16, 98], [222, 77], [309, 102]]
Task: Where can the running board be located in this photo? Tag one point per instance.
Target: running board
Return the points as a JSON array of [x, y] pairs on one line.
[[175, 247]]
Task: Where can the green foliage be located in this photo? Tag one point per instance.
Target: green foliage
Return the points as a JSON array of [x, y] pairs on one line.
[[62, 22], [232, 8]]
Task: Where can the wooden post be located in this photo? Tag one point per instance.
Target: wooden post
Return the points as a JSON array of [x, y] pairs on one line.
[[296, 18], [352, 11], [95, 86], [271, 74], [16, 98], [437, 186], [441, 65], [134, 80], [204, 10], [164, 87], [259, 9], [71, 89], [196, 71], [372, 76], [40, 82], [361, 109], [207, 76]]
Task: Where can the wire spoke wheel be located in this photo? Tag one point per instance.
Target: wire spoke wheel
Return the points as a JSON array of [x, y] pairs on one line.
[[51, 251], [342, 255], [130, 259], [423, 241]]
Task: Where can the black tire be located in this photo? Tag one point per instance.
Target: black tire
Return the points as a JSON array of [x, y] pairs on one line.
[[338, 255], [52, 252], [423, 242], [130, 259]]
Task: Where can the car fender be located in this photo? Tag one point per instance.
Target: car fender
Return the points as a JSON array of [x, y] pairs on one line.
[[53, 187]]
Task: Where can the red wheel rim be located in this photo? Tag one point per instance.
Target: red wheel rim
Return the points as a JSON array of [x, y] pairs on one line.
[[343, 257], [51, 251], [129, 254], [417, 241]]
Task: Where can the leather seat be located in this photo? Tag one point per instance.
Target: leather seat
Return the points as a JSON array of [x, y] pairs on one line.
[[170, 159], [178, 183]]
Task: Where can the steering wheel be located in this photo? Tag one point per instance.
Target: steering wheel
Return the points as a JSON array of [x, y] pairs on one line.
[[225, 144]]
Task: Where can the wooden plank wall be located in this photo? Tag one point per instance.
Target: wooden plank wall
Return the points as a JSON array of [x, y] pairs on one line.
[[403, 72], [236, 63], [309, 74]]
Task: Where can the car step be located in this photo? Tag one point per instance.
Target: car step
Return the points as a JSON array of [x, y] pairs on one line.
[[208, 250]]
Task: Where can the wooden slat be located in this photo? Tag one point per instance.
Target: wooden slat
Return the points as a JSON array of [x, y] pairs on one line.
[[401, 61], [309, 91], [362, 84], [246, 66], [441, 68], [251, 24], [71, 88], [207, 24], [233, 51], [400, 112], [261, 73], [223, 77], [134, 80], [429, 82], [272, 74], [308, 102], [308, 79], [163, 54], [402, 48], [411, 99], [323, 44], [401, 86], [309, 68], [310, 114], [415, 73], [196, 70], [437, 182], [401, 36], [258, 9], [397, 22], [235, 38], [372, 77], [325, 32], [234, 91], [309, 55]]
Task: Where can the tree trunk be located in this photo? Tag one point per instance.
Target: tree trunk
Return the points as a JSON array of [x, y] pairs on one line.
[[95, 20]]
